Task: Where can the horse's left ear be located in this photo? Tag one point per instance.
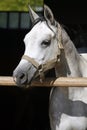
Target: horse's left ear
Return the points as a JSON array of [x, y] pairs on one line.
[[48, 15]]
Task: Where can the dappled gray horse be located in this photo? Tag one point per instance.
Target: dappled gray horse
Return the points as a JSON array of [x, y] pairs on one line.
[[48, 46]]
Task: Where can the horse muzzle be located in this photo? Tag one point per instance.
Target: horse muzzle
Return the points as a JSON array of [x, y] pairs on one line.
[[24, 75], [26, 72]]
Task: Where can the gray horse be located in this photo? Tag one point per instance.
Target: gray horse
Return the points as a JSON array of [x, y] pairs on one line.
[[48, 46]]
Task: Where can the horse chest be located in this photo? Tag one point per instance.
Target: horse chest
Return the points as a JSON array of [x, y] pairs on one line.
[[68, 110], [74, 105], [68, 123]]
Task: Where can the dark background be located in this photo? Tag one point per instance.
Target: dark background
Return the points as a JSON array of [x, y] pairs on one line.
[[28, 109], [25, 109], [69, 12], [73, 16]]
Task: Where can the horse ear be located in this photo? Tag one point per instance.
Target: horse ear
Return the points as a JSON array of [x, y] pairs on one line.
[[33, 15], [48, 14]]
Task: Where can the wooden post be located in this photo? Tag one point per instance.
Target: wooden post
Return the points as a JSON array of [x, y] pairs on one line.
[[59, 82]]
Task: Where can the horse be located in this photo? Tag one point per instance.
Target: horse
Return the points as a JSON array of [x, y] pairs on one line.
[[48, 46]]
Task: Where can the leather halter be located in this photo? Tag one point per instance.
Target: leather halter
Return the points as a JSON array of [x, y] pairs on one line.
[[49, 64]]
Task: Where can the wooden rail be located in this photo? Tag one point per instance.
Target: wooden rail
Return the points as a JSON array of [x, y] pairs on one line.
[[62, 82]]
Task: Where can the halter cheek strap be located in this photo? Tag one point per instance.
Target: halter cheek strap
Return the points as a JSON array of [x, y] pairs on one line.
[[49, 64]]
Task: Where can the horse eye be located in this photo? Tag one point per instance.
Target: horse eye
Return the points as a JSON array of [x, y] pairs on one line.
[[46, 43]]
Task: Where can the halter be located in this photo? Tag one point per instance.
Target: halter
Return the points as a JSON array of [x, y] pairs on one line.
[[41, 68]]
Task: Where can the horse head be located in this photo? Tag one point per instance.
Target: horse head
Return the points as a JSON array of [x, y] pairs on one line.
[[41, 48]]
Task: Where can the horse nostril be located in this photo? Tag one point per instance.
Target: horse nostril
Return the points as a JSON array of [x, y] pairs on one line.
[[23, 77], [20, 77]]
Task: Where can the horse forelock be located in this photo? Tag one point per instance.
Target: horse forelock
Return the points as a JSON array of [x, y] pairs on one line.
[[40, 19]]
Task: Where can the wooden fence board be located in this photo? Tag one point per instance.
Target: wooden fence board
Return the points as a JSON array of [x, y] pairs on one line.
[[62, 82]]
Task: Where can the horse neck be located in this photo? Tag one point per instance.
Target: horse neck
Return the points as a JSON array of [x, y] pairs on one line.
[[69, 67], [69, 58]]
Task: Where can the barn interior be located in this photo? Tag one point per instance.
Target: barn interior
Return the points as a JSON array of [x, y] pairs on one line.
[[28, 109]]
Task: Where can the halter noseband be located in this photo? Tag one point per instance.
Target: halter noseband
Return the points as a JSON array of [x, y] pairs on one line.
[[49, 64]]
